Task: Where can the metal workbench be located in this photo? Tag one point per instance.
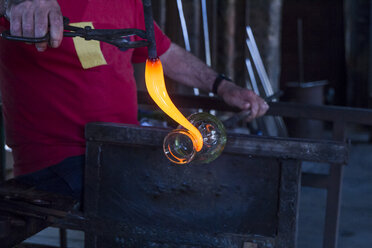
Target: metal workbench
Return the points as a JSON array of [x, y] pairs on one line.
[[262, 175]]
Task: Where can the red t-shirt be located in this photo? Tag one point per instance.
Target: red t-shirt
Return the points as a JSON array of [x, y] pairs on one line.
[[48, 97]]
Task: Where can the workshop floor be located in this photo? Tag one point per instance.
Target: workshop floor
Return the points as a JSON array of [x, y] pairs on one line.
[[356, 211], [356, 208]]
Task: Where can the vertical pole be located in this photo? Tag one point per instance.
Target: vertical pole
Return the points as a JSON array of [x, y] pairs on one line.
[[2, 148], [62, 238], [230, 20], [370, 53], [289, 199], [300, 50], [206, 33], [185, 33], [163, 14], [214, 33], [334, 191], [149, 24], [195, 28], [207, 47]]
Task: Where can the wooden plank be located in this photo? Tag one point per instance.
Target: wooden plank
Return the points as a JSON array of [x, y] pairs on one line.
[[284, 109], [26, 211], [258, 146], [290, 185], [27, 245], [334, 191], [91, 190]]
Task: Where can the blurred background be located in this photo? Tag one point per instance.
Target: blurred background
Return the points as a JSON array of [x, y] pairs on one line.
[[316, 52], [299, 40]]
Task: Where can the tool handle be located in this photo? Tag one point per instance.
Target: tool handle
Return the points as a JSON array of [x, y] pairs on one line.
[[233, 120], [6, 35]]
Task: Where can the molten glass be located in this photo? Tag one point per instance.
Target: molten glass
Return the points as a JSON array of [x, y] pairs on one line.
[[178, 145], [156, 87]]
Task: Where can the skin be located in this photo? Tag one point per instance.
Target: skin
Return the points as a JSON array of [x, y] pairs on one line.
[[34, 18], [183, 67]]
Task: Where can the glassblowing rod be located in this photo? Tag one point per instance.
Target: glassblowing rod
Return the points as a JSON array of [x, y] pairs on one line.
[[149, 25]]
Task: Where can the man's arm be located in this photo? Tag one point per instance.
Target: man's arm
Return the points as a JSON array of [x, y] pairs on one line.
[[34, 18], [2, 7], [185, 68]]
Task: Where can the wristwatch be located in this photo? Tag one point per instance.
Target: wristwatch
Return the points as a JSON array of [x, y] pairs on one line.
[[218, 81]]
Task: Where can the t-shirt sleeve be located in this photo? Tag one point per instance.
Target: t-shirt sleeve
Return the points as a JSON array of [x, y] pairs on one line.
[[4, 24], [162, 41]]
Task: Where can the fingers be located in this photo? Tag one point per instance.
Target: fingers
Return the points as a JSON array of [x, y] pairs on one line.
[[258, 106], [264, 107], [16, 22], [28, 24], [41, 28], [238, 101], [34, 18], [255, 109], [56, 28], [244, 99]]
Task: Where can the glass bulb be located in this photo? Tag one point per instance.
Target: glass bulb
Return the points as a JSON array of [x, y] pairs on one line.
[[179, 145]]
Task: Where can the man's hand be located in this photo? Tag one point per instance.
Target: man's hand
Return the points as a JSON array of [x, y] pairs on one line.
[[185, 68], [242, 98], [34, 18]]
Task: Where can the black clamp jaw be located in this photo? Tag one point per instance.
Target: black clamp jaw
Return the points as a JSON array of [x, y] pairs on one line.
[[116, 37]]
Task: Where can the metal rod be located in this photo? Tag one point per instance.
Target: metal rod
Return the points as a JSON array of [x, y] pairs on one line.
[[185, 34], [163, 14], [206, 33], [207, 48], [233, 120], [253, 49], [2, 149], [149, 24], [214, 33], [370, 51], [285, 109], [251, 76], [183, 26], [266, 85], [300, 50]]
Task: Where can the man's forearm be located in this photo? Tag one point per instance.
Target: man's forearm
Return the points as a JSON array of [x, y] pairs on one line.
[[187, 69], [2, 7]]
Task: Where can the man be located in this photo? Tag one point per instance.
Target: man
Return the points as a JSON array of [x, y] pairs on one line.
[[50, 94]]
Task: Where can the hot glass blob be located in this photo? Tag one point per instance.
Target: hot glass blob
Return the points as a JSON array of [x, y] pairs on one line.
[[156, 87], [178, 146]]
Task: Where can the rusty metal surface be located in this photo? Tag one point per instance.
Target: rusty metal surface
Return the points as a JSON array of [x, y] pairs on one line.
[[25, 211], [194, 205], [128, 180]]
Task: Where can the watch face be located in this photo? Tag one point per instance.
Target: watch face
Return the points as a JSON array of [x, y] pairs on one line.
[[226, 77]]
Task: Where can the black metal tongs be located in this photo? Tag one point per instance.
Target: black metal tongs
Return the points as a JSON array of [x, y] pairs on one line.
[[116, 37]]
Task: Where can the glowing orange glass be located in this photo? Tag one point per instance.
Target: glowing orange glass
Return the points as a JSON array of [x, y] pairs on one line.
[[156, 87]]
